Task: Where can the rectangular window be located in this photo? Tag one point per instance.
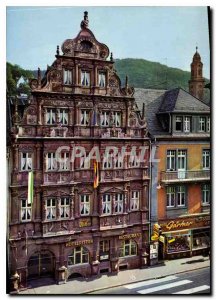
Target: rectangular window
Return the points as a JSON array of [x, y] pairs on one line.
[[84, 117], [171, 160], [26, 161], [65, 162], [50, 209], [118, 162], [84, 162], [181, 195], [51, 162], [187, 124], [202, 124], [106, 204], [50, 116], [134, 203], [63, 116], [65, 208], [25, 211], [107, 162], [208, 124], [104, 249], [206, 194], [134, 161], [118, 203], [182, 157], [67, 76], [117, 119], [102, 80], [104, 118], [85, 78], [84, 205], [206, 159], [178, 123], [171, 196]]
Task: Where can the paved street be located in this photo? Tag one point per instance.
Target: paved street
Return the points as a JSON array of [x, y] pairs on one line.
[[194, 282]]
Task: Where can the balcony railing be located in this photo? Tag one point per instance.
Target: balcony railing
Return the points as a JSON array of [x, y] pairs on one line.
[[184, 176]]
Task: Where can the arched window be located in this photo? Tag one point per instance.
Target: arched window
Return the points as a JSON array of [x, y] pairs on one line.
[[128, 248], [79, 255]]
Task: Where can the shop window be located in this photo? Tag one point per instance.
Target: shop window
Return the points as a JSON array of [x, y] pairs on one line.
[[178, 243], [128, 248], [201, 238], [79, 255], [65, 208], [102, 80], [104, 249], [51, 161], [67, 76], [84, 205], [84, 120], [50, 116], [202, 124], [26, 210], [134, 202], [85, 78], [104, 118], [178, 123], [106, 204], [63, 116], [187, 124], [50, 209], [206, 194], [206, 159], [65, 162], [118, 203], [26, 161]]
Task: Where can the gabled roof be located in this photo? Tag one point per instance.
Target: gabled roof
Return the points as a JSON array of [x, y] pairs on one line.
[[178, 100]]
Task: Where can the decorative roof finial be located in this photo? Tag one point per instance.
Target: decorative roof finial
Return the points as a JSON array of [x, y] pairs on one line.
[[84, 23], [196, 48], [111, 56], [57, 50]]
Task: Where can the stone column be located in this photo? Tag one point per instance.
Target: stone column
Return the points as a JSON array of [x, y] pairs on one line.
[[76, 74], [15, 157], [96, 76], [58, 208]]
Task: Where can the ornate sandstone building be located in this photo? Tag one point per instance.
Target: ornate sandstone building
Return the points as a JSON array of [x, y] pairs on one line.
[[72, 227]]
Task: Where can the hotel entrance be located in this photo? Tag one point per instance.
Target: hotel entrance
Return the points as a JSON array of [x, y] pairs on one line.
[[41, 264]]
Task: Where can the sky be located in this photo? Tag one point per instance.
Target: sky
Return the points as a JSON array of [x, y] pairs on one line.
[[168, 35]]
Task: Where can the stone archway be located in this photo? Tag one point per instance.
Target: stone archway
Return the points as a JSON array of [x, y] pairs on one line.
[[41, 264]]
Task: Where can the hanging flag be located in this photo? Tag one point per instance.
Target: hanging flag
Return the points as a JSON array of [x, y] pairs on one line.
[[30, 187], [96, 175]]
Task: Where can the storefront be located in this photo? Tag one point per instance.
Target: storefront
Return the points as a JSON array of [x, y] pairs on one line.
[[185, 236]]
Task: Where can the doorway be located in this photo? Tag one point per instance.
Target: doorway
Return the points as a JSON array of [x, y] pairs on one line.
[[41, 264]]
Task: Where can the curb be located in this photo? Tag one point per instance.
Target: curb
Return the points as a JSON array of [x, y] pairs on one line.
[[158, 277]]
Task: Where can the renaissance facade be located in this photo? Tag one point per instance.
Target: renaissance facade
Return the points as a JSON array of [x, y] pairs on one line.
[[84, 218]]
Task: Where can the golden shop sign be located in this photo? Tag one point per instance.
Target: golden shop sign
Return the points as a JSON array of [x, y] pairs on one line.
[[78, 243], [129, 236]]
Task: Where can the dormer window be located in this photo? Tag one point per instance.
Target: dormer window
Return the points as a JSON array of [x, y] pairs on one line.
[[179, 123], [202, 124], [85, 78], [102, 80], [67, 76]]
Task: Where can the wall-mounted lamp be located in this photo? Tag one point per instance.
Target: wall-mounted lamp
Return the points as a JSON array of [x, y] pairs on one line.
[[159, 186]]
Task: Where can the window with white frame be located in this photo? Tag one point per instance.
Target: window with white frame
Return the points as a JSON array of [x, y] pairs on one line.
[[51, 161], [84, 162], [107, 162], [63, 116], [171, 196], [104, 249], [117, 119], [202, 124], [182, 159], [85, 78], [128, 248], [178, 123], [67, 76], [26, 210], [134, 202], [206, 194], [208, 124], [79, 255], [65, 162], [84, 120], [118, 203], [102, 80], [134, 160], [65, 208], [171, 160], [118, 162], [104, 118], [26, 161], [50, 116], [181, 195], [106, 204], [84, 205], [206, 159], [50, 209], [187, 124]]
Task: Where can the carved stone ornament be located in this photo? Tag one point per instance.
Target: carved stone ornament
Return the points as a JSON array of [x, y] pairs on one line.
[[33, 84]]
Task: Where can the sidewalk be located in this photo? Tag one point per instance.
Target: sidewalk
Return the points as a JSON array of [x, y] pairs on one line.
[[82, 286]]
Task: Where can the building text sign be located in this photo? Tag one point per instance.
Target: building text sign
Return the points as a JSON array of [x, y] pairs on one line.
[[78, 243], [129, 236]]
